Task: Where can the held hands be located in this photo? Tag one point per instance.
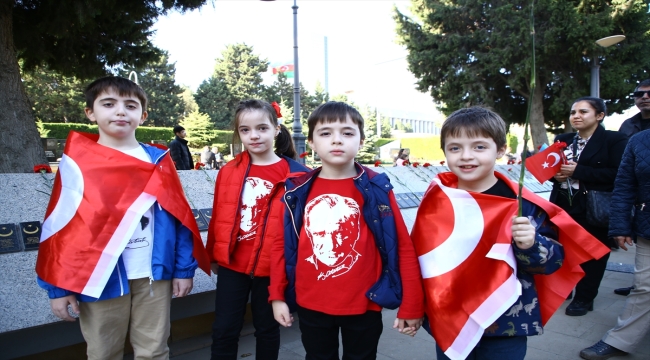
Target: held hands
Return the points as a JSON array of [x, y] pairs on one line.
[[407, 326], [568, 168], [182, 287], [622, 240], [523, 233], [60, 307], [281, 313]]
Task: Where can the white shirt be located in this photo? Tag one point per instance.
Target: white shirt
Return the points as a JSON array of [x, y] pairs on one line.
[[137, 254]]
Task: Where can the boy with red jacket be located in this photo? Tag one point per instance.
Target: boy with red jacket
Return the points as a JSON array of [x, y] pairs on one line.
[[346, 252]]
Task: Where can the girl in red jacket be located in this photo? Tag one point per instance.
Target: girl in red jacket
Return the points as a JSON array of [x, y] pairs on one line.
[[247, 218]]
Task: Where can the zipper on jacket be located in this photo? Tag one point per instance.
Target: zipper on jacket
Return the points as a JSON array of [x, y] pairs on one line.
[[119, 276], [153, 234], [241, 192], [266, 220]]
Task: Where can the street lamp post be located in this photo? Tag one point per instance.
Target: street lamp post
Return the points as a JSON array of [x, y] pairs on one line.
[[298, 136], [595, 67]]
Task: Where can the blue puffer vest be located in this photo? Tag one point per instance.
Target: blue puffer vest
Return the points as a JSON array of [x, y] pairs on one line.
[[374, 187]]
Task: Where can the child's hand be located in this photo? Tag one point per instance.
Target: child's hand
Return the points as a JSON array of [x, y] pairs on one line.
[[60, 307], [523, 233], [281, 313], [182, 287], [215, 267], [407, 326]]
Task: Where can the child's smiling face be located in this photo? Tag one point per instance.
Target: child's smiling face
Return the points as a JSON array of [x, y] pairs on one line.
[[472, 160]]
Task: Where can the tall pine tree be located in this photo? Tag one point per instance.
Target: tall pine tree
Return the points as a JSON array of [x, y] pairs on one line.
[[468, 52]]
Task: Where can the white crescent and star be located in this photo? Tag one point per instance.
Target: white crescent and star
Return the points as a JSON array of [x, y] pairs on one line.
[[72, 189], [556, 156], [463, 239]]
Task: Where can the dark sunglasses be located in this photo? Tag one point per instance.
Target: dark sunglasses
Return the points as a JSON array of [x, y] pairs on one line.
[[639, 94]]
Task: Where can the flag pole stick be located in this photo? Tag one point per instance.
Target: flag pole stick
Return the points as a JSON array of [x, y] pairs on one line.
[[530, 107]]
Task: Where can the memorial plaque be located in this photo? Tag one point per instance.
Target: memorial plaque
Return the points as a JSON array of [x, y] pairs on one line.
[[9, 238], [200, 221], [420, 195], [400, 201], [207, 215], [414, 198], [409, 202], [31, 233]]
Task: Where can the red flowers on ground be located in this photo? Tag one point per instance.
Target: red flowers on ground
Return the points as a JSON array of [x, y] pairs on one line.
[[378, 163], [442, 162], [303, 155], [199, 166], [416, 164], [42, 168], [406, 163], [277, 109]]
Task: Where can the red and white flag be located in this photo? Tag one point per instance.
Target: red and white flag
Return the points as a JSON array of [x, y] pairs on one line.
[[545, 164], [283, 69], [98, 198], [463, 243]]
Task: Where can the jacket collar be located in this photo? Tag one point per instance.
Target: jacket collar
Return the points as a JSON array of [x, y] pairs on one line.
[[596, 141], [154, 153], [181, 140]]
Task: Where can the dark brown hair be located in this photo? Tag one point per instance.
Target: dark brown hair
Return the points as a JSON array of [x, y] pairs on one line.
[[473, 122], [283, 142], [123, 86], [333, 111]]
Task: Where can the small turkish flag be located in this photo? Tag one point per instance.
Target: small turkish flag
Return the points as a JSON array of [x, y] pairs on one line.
[[545, 164]]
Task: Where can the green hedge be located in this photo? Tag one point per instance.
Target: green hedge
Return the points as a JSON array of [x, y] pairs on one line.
[[381, 142], [424, 148], [144, 133]]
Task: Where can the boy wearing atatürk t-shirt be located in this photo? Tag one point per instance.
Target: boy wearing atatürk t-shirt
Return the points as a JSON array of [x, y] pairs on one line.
[[346, 252]]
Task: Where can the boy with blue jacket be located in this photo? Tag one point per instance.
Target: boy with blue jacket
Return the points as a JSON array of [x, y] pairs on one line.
[[118, 237], [346, 252]]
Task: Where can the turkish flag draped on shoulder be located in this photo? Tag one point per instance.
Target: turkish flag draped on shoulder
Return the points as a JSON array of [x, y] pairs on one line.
[[545, 164], [463, 243], [98, 198]]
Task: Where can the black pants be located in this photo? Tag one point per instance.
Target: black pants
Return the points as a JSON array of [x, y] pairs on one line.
[[359, 333], [587, 287], [233, 289]]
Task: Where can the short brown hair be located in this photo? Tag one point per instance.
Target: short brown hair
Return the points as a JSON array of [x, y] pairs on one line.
[[333, 111], [474, 121], [124, 87]]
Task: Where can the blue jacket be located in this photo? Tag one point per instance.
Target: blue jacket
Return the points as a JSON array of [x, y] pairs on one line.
[[374, 187], [543, 258], [632, 188], [171, 255]]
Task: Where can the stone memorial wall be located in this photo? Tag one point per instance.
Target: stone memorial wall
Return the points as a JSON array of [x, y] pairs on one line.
[[24, 306]]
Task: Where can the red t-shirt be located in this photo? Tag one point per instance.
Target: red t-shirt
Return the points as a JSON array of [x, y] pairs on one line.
[[338, 260], [253, 209]]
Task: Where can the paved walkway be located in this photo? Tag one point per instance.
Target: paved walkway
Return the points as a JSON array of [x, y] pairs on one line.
[[563, 338]]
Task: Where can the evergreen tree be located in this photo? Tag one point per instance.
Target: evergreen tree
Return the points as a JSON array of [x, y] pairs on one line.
[[158, 80], [74, 38], [199, 129], [214, 99], [189, 104], [55, 98], [281, 90], [468, 52]]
